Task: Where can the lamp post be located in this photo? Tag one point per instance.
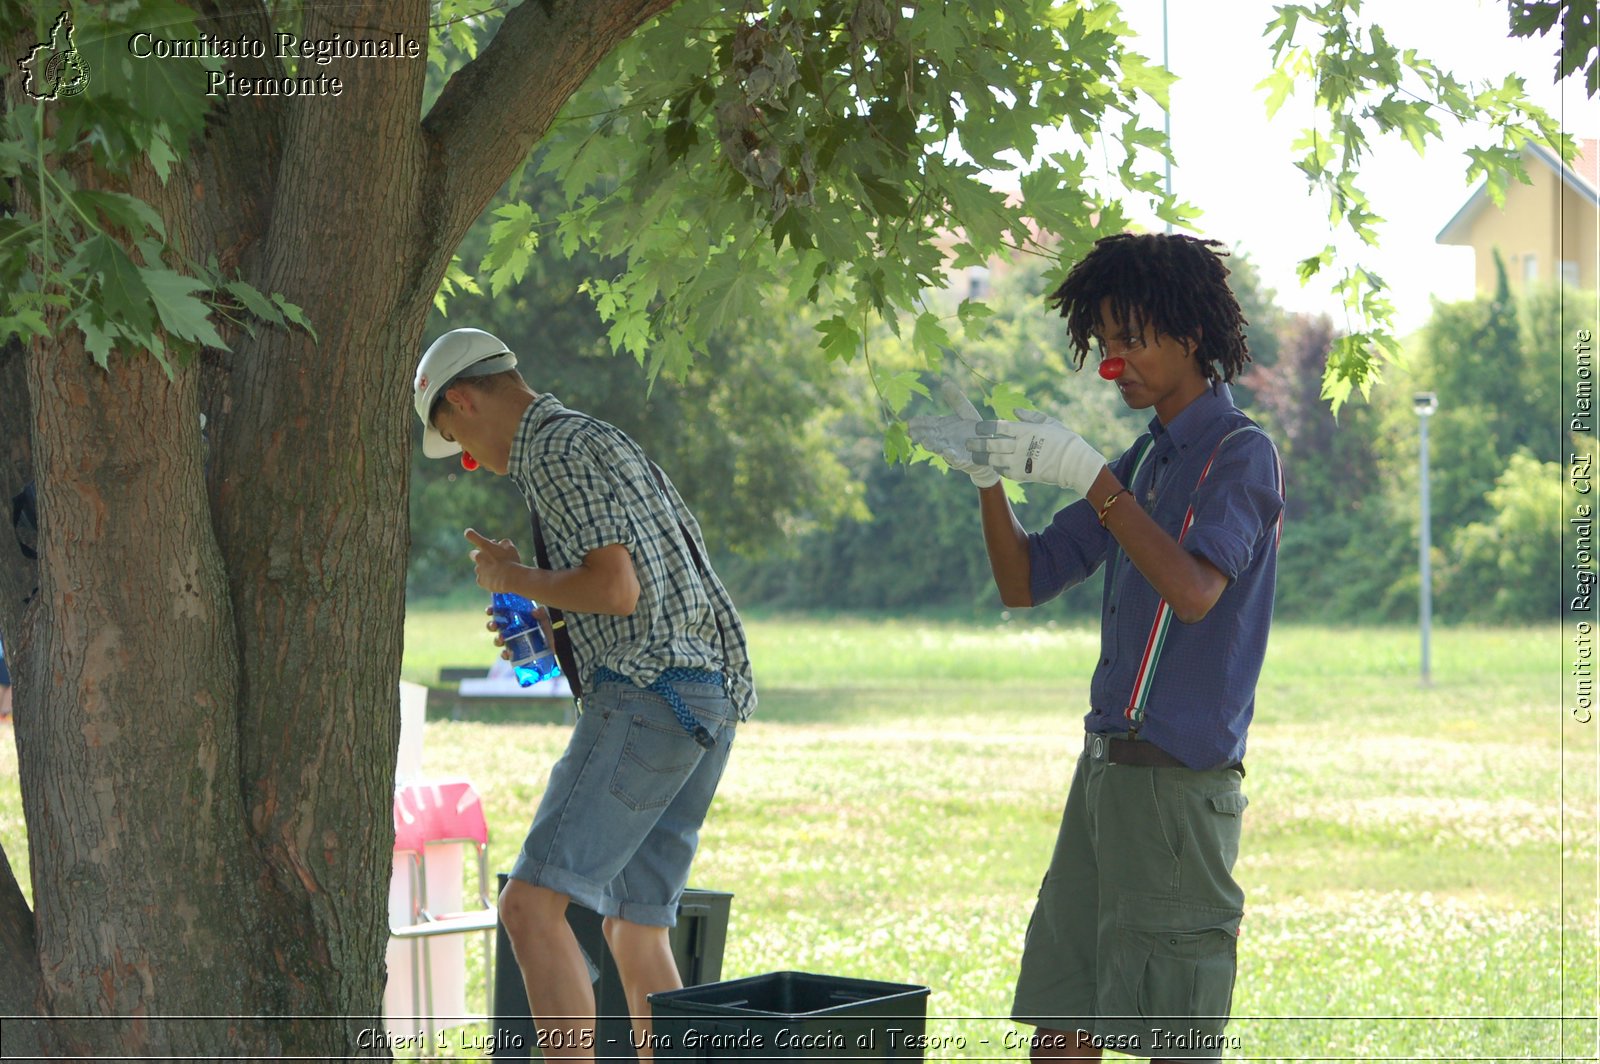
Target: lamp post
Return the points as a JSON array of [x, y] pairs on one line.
[[1425, 403]]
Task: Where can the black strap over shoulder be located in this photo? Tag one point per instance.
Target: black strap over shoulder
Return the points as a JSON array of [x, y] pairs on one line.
[[558, 623]]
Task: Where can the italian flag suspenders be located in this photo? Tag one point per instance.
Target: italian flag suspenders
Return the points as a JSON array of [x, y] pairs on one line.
[[1144, 679]]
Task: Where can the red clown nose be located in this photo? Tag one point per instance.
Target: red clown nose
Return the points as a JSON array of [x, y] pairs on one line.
[[468, 462], [1112, 368]]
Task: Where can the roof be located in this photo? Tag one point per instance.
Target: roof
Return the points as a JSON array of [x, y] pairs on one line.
[[1582, 176]]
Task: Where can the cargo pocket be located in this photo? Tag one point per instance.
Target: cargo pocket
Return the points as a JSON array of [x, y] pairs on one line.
[[1177, 965], [656, 760], [1228, 807]]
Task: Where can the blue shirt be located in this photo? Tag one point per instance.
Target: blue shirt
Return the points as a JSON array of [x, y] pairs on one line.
[[1202, 693]]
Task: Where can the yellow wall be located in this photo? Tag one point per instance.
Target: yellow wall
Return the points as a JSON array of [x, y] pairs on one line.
[[1546, 220], [1579, 232]]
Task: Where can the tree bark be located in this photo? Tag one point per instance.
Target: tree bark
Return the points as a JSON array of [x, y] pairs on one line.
[[493, 111], [21, 978], [129, 757], [207, 677]]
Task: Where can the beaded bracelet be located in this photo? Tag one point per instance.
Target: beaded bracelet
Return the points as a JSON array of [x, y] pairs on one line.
[[1107, 507]]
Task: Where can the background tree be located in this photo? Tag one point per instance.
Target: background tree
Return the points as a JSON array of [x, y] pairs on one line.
[[1509, 566], [1495, 364], [927, 524], [742, 432], [1343, 542]]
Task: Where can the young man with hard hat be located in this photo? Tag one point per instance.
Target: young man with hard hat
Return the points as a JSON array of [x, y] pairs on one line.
[[660, 658], [1132, 942]]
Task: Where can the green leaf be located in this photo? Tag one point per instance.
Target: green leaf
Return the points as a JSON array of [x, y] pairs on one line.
[[255, 302], [122, 210], [1279, 85], [1006, 399], [96, 340], [182, 314], [293, 313], [928, 337], [898, 390], [125, 298], [973, 314], [887, 201], [978, 209], [23, 322], [1154, 81], [512, 241], [839, 339], [1308, 268], [139, 105], [733, 293], [455, 279], [897, 445], [162, 155]]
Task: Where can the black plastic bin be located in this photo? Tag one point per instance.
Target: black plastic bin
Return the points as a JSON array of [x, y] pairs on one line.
[[697, 941], [791, 1016]]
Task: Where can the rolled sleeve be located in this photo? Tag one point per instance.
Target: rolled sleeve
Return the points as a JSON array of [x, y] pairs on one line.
[[1068, 550], [1063, 555], [1238, 506]]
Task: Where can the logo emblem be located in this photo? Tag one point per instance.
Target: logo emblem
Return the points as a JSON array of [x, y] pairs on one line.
[[1034, 446], [55, 71]]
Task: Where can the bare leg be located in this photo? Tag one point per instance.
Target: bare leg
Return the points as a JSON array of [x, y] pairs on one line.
[[1050, 1044], [645, 964], [553, 971]]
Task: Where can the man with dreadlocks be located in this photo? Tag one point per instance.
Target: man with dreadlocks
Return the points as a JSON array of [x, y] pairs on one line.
[[1132, 942]]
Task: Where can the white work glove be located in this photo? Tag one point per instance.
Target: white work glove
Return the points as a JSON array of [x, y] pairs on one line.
[[946, 435], [1036, 449]]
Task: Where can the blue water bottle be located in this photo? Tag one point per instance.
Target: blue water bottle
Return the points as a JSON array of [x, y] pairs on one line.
[[531, 657]]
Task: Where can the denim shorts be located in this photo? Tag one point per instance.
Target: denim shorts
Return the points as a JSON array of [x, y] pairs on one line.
[[620, 819], [1134, 936]]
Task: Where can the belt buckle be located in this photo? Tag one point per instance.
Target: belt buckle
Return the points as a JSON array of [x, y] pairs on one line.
[[1098, 747]]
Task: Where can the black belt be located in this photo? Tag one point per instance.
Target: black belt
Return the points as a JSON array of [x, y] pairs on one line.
[[1115, 751]]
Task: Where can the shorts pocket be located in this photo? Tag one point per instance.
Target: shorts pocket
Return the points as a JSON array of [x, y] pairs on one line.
[[1232, 803], [1178, 965], [1224, 818], [657, 758]]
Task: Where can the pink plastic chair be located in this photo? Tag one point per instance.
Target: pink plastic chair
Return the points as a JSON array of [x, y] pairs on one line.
[[432, 812]]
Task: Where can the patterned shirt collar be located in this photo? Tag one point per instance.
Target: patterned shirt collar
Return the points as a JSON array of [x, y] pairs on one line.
[[1195, 421], [541, 408]]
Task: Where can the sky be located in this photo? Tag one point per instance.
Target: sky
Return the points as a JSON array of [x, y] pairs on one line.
[[1238, 167]]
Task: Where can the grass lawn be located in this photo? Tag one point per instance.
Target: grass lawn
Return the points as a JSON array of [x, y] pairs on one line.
[[1420, 864]]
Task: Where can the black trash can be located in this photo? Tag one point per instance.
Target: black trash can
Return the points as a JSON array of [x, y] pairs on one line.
[[697, 942], [791, 1016]]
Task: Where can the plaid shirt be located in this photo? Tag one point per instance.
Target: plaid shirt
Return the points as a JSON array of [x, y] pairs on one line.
[[593, 487]]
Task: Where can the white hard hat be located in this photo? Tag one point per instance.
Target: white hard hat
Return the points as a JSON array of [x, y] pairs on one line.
[[458, 354]]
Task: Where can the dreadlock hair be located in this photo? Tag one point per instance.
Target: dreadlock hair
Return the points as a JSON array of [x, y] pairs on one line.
[[1176, 283]]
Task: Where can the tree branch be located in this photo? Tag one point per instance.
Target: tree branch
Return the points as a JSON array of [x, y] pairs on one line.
[[496, 108]]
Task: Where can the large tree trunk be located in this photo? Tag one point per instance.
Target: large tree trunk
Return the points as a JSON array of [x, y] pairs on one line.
[[206, 678], [129, 752]]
